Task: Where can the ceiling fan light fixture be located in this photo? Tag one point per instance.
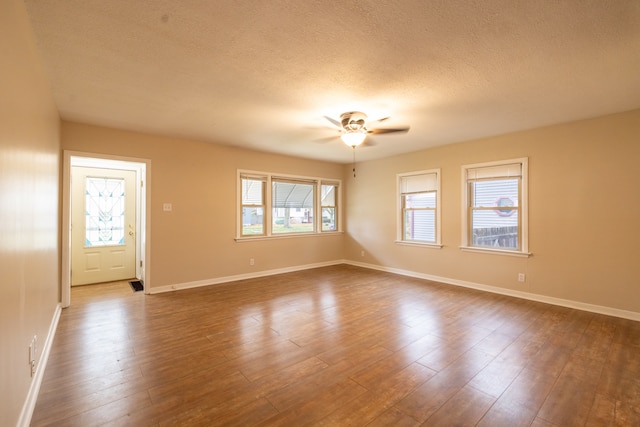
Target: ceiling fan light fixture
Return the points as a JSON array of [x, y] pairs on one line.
[[354, 138]]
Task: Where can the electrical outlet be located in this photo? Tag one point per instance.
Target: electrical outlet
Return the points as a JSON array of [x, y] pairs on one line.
[[361, 253], [521, 277], [167, 207], [251, 261]]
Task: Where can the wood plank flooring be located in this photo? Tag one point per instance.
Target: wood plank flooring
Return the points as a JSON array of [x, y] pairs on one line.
[[336, 346]]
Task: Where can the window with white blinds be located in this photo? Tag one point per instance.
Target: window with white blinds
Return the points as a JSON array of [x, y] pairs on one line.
[[419, 201], [273, 205], [495, 206]]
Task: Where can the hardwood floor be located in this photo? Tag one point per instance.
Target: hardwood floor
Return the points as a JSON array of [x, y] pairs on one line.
[[336, 346]]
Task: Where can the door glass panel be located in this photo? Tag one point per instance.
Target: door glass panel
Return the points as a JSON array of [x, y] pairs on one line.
[[104, 213]]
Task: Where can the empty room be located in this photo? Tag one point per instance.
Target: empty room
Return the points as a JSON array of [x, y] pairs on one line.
[[319, 213]]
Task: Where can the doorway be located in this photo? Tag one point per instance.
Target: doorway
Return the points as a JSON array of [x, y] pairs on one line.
[[84, 252]]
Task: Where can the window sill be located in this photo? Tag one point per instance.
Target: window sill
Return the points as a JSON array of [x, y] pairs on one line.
[[286, 236], [495, 251], [420, 244]]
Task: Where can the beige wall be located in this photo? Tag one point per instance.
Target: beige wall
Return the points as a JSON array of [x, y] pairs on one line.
[[195, 241], [583, 210], [29, 170], [584, 213]]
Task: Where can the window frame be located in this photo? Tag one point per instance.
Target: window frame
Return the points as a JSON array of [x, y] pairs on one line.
[[401, 210], [522, 207], [269, 178]]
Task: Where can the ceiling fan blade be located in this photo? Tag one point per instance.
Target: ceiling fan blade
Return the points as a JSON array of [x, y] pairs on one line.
[[389, 130], [321, 128], [334, 121], [369, 142], [326, 139], [380, 120]]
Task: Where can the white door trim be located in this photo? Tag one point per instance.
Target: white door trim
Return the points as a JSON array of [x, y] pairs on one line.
[[143, 223]]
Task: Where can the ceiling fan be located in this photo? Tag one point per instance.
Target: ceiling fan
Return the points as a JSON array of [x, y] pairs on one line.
[[353, 128]]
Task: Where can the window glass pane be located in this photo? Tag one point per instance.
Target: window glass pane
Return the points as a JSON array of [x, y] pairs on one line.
[[328, 195], [420, 225], [292, 206], [292, 195], [252, 220], [490, 229], [104, 211], [328, 219], [501, 192], [252, 192], [287, 220], [420, 200]]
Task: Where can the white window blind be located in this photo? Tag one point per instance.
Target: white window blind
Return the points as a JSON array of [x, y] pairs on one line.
[[511, 170], [292, 194], [252, 190], [418, 183]]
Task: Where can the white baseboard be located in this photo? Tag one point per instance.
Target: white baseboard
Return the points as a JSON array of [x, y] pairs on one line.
[[609, 311], [226, 279], [34, 388]]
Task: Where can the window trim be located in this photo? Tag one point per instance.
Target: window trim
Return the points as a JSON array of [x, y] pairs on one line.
[[400, 210], [523, 209], [269, 177]]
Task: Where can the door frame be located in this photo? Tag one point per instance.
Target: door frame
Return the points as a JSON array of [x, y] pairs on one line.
[[143, 215]]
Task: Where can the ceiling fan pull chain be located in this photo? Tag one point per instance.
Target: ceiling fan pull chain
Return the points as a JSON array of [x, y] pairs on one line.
[[354, 161]]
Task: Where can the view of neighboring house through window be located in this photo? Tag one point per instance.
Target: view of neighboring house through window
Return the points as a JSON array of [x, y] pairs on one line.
[[279, 205], [292, 206], [495, 200], [419, 206]]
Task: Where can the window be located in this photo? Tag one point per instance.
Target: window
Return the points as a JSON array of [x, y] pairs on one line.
[[419, 207], [293, 206], [253, 205], [104, 211], [328, 203], [495, 216], [284, 205]]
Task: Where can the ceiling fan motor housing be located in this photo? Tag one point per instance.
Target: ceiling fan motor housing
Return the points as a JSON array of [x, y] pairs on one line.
[[353, 121]]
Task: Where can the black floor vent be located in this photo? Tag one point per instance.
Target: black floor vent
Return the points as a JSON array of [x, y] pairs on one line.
[[136, 285]]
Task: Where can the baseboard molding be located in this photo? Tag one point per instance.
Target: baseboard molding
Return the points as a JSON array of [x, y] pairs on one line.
[[253, 275], [36, 382], [609, 311]]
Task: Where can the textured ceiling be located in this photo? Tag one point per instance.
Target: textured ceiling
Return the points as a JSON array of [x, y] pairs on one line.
[[262, 74]]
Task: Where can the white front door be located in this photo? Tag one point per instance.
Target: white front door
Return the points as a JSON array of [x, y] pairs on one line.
[[103, 205]]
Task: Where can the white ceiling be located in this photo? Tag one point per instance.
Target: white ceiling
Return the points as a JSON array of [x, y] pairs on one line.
[[262, 74]]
